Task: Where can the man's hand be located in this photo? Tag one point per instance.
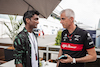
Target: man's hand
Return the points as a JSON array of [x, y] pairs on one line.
[[68, 60]]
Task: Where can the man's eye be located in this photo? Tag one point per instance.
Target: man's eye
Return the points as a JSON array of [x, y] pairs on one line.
[[63, 18], [36, 18]]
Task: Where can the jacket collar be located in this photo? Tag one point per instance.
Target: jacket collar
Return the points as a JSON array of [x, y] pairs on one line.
[[27, 31]]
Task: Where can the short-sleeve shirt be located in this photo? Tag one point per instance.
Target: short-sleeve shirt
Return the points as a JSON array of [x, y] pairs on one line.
[[76, 44]]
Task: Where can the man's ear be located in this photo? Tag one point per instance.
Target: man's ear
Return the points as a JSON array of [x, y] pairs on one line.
[[27, 20], [72, 19]]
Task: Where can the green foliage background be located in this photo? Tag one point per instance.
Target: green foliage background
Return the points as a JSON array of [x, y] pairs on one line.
[[58, 38]]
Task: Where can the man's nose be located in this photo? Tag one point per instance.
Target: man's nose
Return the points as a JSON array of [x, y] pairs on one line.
[[61, 21], [38, 21]]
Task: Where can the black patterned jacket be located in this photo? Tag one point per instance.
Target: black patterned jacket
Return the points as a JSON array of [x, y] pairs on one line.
[[22, 52]]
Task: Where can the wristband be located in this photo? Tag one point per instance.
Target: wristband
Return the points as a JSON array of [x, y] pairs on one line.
[[74, 61]]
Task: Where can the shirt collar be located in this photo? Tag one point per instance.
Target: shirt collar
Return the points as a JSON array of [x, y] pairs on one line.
[[27, 31]]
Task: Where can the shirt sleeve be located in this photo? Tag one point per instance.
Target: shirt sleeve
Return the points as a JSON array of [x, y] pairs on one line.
[[88, 41], [19, 50]]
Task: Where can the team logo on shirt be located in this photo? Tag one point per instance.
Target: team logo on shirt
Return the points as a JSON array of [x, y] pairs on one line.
[[68, 46], [71, 46], [65, 37], [77, 37], [89, 37], [88, 34], [90, 43]]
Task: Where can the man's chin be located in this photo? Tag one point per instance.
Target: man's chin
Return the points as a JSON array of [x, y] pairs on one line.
[[64, 27], [35, 27]]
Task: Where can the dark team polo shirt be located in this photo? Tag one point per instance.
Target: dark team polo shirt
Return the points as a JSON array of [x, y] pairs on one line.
[[75, 45]]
